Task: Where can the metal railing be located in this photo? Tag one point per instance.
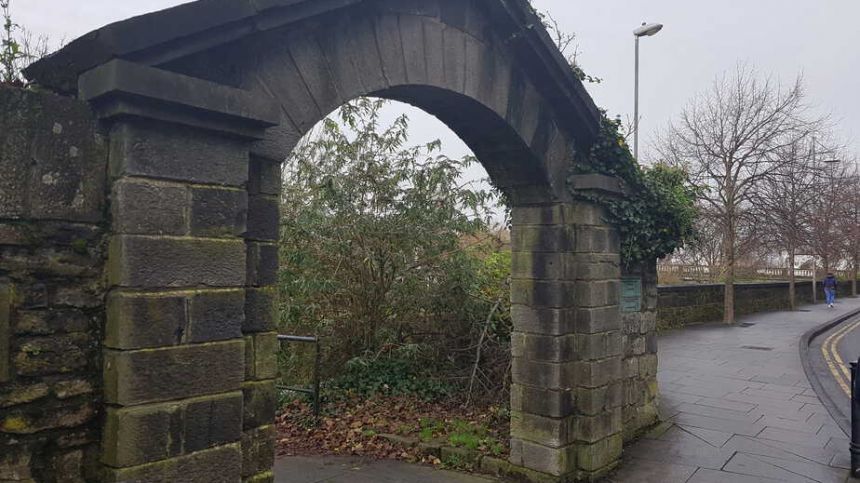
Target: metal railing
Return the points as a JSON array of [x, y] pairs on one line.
[[855, 419], [706, 273], [314, 390]]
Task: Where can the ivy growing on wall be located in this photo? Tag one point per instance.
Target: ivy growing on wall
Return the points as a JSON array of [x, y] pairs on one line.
[[656, 215]]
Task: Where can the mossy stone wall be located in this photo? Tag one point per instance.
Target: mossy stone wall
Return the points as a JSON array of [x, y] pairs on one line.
[[52, 252]]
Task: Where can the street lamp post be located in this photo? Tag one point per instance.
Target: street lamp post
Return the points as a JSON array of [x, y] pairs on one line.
[[646, 30]]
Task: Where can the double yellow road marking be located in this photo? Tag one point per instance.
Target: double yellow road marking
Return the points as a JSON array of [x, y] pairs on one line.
[[841, 372]]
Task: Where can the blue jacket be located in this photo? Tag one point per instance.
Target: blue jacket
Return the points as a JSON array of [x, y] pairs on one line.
[[830, 282]]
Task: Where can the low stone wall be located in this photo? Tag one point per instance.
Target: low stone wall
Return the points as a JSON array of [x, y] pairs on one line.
[[52, 248], [680, 305], [639, 363]]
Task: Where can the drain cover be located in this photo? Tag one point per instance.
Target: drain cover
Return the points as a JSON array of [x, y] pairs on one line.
[[745, 324], [757, 348]]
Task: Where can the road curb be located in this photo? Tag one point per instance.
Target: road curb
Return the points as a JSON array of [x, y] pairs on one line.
[[843, 420]]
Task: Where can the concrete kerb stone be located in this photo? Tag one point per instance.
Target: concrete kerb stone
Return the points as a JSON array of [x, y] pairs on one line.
[[843, 420]]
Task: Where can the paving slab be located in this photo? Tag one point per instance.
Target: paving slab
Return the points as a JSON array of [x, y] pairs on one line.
[[757, 419]]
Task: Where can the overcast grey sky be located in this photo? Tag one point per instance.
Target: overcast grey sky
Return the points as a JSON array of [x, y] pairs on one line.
[[702, 39]]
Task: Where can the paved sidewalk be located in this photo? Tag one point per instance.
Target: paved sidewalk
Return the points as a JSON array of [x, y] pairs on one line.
[[742, 407]]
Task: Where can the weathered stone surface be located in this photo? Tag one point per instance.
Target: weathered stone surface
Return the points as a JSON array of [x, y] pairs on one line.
[[261, 356], [263, 218], [217, 465], [260, 404], [261, 310], [136, 321], [262, 263], [145, 434], [47, 322], [553, 461], [32, 420], [218, 212], [148, 207], [149, 262], [258, 450], [5, 332], [151, 375], [14, 394], [264, 177], [178, 153], [51, 157], [52, 355], [216, 315]]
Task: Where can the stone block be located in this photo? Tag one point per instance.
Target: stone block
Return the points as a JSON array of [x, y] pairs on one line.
[[149, 262], [258, 450], [553, 461], [545, 348], [261, 310], [57, 354], [598, 346], [543, 430], [212, 421], [592, 374], [264, 176], [137, 321], [261, 402], [5, 332], [540, 293], [263, 477], [263, 218], [22, 393], [602, 455], [217, 465], [555, 214], [543, 266], [543, 320], [152, 375], [51, 156], [138, 435], [592, 429], [591, 267], [597, 293], [216, 315], [53, 321], [32, 420], [541, 401], [152, 150], [149, 207], [590, 239], [262, 264], [547, 375], [261, 356], [550, 238], [218, 212]]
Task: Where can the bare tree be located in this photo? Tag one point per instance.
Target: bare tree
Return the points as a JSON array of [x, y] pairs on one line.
[[18, 47], [727, 139], [851, 224], [781, 203]]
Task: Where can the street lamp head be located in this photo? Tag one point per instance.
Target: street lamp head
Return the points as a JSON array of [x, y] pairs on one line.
[[832, 161], [648, 29]]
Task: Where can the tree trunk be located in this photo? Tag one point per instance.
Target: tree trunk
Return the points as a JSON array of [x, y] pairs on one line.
[[814, 283], [729, 301], [854, 275], [792, 299]]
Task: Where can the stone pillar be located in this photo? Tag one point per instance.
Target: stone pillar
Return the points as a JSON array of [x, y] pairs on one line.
[[261, 318], [174, 351], [567, 393]]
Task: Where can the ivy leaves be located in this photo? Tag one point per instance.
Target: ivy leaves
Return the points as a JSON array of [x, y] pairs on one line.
[[657, 215]]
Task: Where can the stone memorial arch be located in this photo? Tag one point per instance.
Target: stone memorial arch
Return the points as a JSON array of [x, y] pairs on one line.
[[201, 102]]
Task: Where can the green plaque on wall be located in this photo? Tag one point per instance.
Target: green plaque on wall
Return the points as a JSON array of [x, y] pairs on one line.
[[631, 294]]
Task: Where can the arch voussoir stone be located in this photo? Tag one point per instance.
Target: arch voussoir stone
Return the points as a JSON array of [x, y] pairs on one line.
[[198, 125]]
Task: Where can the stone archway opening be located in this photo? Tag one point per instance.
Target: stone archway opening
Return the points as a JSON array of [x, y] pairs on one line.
[[201, 102]]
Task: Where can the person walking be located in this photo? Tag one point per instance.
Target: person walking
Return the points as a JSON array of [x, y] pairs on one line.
[[830, 289]]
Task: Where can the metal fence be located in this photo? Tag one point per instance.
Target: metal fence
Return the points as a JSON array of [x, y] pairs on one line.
[[707, 273], [314, 389]]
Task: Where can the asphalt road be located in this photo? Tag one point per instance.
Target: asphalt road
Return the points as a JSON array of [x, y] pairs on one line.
[[830, 355]]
